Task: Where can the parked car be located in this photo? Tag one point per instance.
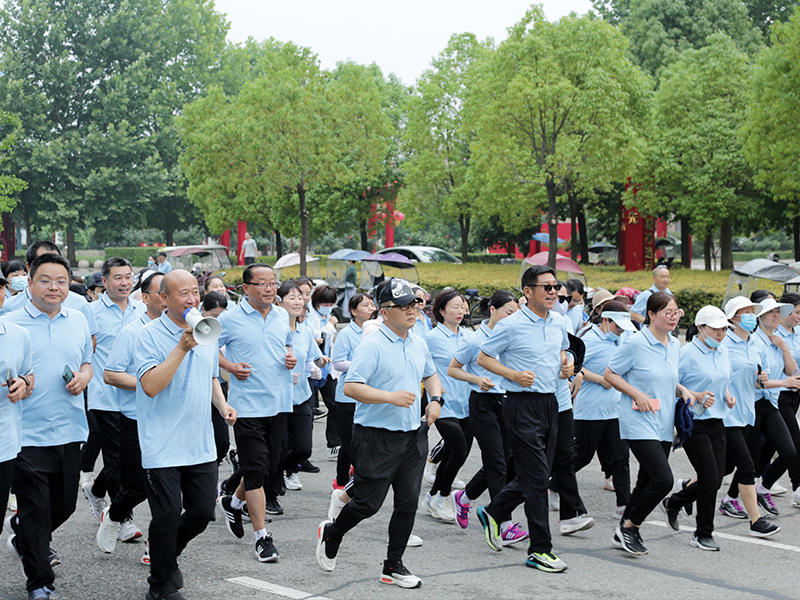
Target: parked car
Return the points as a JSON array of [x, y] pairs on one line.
[[425, 254]]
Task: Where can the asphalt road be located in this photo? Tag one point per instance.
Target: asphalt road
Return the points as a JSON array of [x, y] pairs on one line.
[[452, 563]]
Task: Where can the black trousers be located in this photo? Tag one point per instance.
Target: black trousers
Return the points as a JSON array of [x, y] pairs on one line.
[[531, 426], [654, 480], [788, 403], [384, 459], [297, 442], [107, 481], [602, 436], [345, 412], [91, 448], [771, 424], [46, 483], [457, 436], [133, 481], [222, 434], [563, 474], [170, 490], [706, 450], [738, 456], [328, 394], [486, 423], [6, 473]]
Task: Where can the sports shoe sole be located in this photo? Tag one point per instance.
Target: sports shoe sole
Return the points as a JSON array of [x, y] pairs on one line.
[[759, 534], [697, 544], [570, 529], [542, 567], [269, 559], [486, 522], [622, 546], [325, 563], [409, 585]]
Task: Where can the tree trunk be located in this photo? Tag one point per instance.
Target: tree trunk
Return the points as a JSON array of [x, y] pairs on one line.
[[169, 237], [707, 251], [552, 222], [573, 226], [301, 192], [726, 246], [362, 229], [278, 244], [71, 257], [796, 236], [686, 244], [463, 223], [584, 236]]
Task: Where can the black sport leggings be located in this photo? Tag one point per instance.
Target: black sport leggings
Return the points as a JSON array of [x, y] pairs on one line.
[[770, 423], [738, 456], [654, 480], [788, 403], [602, 436], [457, 436]]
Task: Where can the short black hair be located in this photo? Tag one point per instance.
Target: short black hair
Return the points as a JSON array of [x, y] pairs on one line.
[[357, 299], [532, 273], [303, 280], [247, 274], [575, 285], [147, 281], [790, 298], [441, 301], [48, 258], [12, 266], [759, 295], [214, 300], [33, 249], [114, 261], [286, 287], [323, 294]]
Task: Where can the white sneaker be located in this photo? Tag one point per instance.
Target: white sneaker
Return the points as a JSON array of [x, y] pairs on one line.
[[619, 512], [292, 482], [608, 484], [426, 505], [335, 506], [430, 471], [553, 501], [128, 531], [333, 453], [442, 508], [777, 489], [414, 541], [107, 532], [96, 504], [575, 524], [458, 484], [12, 502], [86, 477], [796, 498]]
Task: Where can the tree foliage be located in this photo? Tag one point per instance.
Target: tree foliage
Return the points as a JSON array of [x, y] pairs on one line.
[[9, 184]]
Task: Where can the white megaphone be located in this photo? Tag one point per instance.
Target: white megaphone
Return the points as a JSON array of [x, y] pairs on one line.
[[206, 329]]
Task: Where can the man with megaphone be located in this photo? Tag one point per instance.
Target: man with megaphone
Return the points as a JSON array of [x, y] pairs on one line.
[[178, 384]]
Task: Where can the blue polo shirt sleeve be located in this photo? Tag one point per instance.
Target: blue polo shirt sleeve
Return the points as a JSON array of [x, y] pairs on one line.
[[314, 353], [622, 361], [467, 351], [147, 355], [224, 337], [499, 339], [365, 363], [430, 366]]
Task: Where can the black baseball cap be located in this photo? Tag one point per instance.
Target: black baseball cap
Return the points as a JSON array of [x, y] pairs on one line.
[[398, 291]]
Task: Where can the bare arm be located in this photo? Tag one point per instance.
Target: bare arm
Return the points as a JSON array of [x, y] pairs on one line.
[[456, 371], [593, 377], [491, 364], [122, 381], [218, 400], [366, 394]]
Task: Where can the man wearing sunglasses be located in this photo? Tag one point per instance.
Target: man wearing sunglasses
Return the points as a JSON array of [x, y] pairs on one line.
[[531, 348], [390, 442]]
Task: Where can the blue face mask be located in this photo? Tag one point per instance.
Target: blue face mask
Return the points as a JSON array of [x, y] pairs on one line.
[[19, 283], [711, 342], [748, 321], [150, 262], [610, 335], [325, 310]]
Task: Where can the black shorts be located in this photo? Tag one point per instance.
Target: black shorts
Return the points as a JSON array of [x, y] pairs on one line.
[[254, 440]]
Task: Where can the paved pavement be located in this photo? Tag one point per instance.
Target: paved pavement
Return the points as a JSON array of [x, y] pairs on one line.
[[452, 563]]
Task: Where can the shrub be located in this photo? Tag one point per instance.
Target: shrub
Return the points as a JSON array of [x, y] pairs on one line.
[[136, 254]]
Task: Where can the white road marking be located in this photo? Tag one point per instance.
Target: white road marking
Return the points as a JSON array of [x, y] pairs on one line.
[[737, 538], [275, 589]]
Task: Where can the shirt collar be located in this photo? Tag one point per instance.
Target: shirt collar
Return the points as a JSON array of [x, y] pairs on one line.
[[783, 332], [170, 325], [701, 345], [35, 312], [391, 335], [735, 338], [355, 327], [648, 335], [484, 328], [446, 330], [531, 315]]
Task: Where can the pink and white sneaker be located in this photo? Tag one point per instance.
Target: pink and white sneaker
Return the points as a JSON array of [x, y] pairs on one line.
[[462, 508], [514, 534]]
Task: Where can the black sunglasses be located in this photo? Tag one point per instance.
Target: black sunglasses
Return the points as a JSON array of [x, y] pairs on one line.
[[548, 287]]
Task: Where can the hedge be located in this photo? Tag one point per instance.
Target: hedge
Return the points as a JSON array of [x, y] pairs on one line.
[[136, 254], [486, 258]]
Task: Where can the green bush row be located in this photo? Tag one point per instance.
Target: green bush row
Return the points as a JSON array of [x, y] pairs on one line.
[[486, 259], [136, 254]]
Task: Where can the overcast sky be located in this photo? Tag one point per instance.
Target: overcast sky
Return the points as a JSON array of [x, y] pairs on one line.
[[401, 37]]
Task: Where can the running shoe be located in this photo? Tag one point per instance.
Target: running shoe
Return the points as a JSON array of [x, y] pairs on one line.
[[777, 489], [765, 502], [458, 484], [320, 413], [608, 484], [233, 456], [430, 471], [335, 485], [233, 516], [491, 529], [274, 507], [307, 467], [619, 512], [514, 534], [327, 549], [575, 524], [146, 555], [441, 507], [397, 574], [730, 507], [615, 541], [462, 508], [688, 508], [414, 541], [336, 505], [12, 502], [333, 453], [671, 514], [167, 592], [265, 549], [796, 498], [95, 503], [553, 501], [292, 482], [705, 543], [128, 531], [546, 561], [763, 528], [107, 532], [630, 540], [11, 544], [86, 477], [53, 557], [43, 593]]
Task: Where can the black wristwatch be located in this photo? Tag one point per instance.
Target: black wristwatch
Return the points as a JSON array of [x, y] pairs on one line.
[[26, 380], [437, 399]]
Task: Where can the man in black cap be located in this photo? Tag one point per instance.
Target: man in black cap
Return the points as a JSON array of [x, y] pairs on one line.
[[164, 265], [390, 442]]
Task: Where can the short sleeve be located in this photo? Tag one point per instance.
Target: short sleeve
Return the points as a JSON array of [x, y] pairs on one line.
[[87, 311], [314, 353], [120, 356], [622, 361], [566, 327], [225, 336], [498, 340], [365, 361], [640, 304], [430, 367], [685, 363], [466, 351], [341, 347], [145, 353], [88, 348], [27, 355]]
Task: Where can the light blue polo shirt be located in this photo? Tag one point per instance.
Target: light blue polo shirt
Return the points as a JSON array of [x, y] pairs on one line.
[[384, 361], [422, 326], [52, 416], [526, 342], [745, 357], [175, 426], [73, 301], [640, 304], [110, 321], [260, 342], [164, 267], [702, 368], [563, 395], [467, 354], [120, 360], [15, 356], [652, 368], [773, 364], [594, 402], [304, 349], [792, 339], [442, 344], [347, 341]]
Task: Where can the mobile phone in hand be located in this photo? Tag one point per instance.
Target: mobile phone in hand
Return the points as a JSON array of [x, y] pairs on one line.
[[67, 375], [9, 379]]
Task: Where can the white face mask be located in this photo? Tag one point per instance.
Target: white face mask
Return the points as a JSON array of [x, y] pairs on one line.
[[325, 310], [561, 307], [19, 283]]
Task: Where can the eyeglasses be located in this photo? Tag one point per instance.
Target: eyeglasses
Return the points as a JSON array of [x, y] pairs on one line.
[[269, 284], [673, 313], [406, 308], [46, 283], [547, 287]]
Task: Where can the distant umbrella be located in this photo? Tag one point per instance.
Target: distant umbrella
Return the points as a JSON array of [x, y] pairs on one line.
[[601, 246], [544, 238]]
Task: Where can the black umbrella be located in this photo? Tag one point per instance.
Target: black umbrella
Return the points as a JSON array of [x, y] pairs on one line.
[[600, 246]]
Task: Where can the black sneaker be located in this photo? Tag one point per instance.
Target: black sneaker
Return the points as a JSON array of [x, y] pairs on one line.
[[54, 560], [705, 543], [168, 592], [233, 456], [671, 514], [763, 528], [319, 413], [307, 467], [630, 540], [176, 577], [233, 516], [265, 549], [226, 488], [397, 574], [765, 502], [274, 507]]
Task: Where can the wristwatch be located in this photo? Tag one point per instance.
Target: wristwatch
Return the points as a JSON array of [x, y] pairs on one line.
[[437, 399], [26, 380]]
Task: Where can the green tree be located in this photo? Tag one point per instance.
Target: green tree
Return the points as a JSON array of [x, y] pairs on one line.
[[765, 13], [772, 128], [695, 165], [9, 184], [557, 105]]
